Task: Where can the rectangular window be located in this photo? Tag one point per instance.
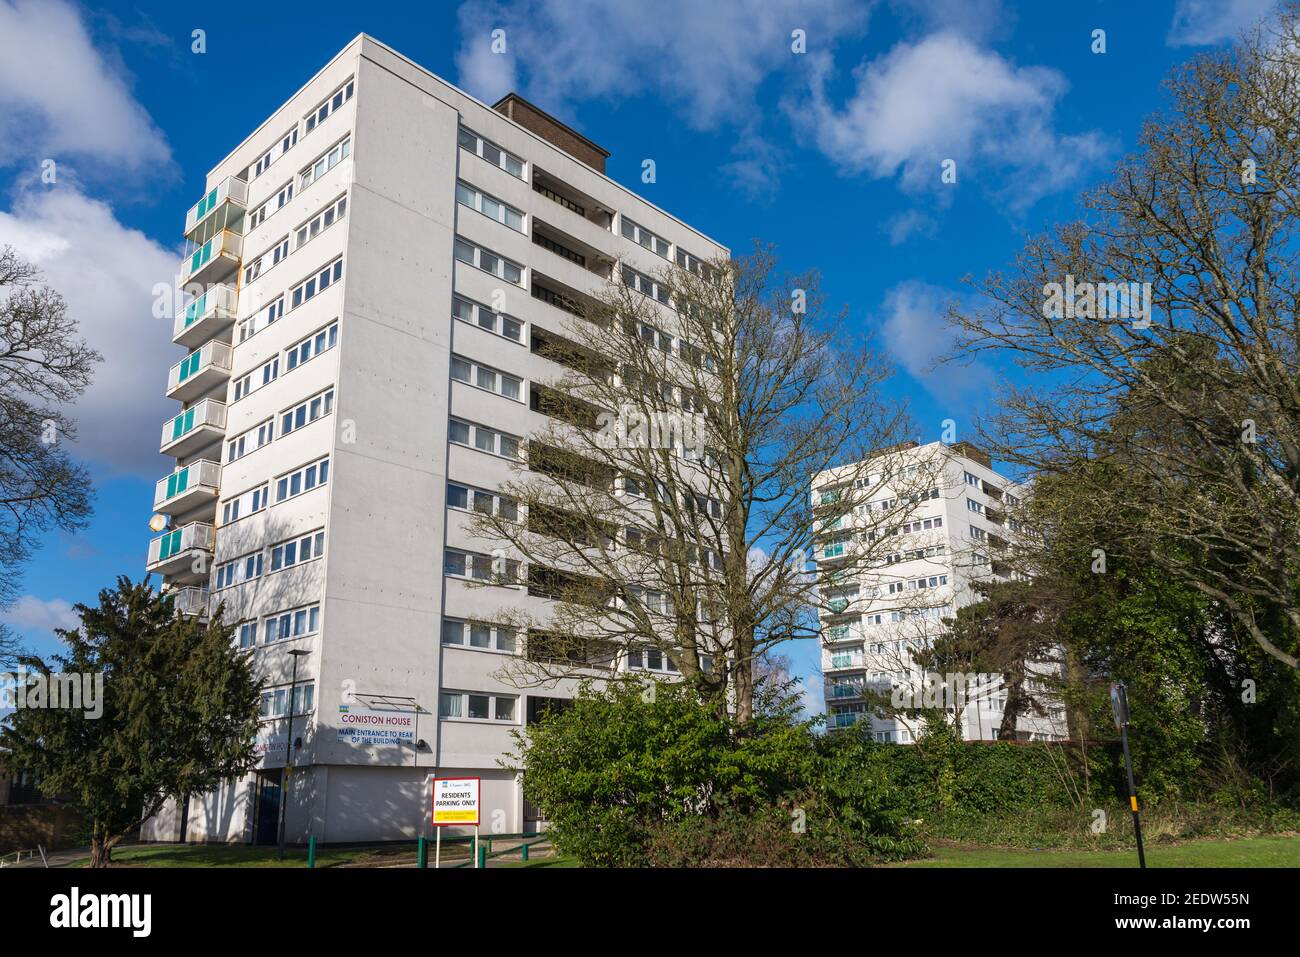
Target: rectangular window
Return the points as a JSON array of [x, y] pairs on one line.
[[489, 206], [482, 438], [262, 319], [485, 377], [974, 506], [471, 141], [295, 623], [322, 221], [249, 441], [274, 703], [317, 283], [326, 162], [307, 412], [488, 261], [645, 285], [478, 707], [312, 346], [239, 570], [303, 548], [331, 103], [474, 634], [480, 567], [302, 480], [477, 314], [241, 506], [466, 498], [643, 237], [262, 376]]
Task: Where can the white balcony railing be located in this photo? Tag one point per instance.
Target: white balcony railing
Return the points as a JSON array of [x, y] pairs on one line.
[[196, 480], [202, 317], [229, 190], [203, 420], [173, 548], [199, 371]]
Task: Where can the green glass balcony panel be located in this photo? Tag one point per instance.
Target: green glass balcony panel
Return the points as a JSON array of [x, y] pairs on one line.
[[169, 544], [177, 482], [189, 365], [182, 423], [195, 309]]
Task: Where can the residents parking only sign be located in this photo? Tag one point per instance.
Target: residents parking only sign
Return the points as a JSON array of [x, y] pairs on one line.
[[455, 802]]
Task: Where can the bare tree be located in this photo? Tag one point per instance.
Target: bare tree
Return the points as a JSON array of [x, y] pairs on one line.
[[1165, 331], [666, 507], [43, 365]]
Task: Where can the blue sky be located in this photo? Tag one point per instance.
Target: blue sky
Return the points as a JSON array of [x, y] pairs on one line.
[[833, 154]]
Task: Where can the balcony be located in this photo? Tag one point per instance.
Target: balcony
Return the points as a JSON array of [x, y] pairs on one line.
[[194, 429], [213, 260], [187, 488], [191, 602], [230, 191], [840, 692], [199, 372], [847, 663], [183, 554], [577, 214], [207, 317], [574, 263]]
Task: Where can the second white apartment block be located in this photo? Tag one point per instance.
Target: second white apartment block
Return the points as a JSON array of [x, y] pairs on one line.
[[953, 532], [377, 263]]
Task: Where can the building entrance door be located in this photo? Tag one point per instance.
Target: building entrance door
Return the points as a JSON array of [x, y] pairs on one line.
[[266, 828]]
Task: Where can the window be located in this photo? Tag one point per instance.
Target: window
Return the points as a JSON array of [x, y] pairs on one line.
[[692, 262], [477, 707], [249, 503], [274, 703], [978, 534], [972, 480], [489, 206], [325, 163], [272, 257], [312, 346], [249, 441], [304, 548], [263, 164], [476, 634], [306, 412], [256, 379], [656, 338], [490, 262], [485, 377], [291, 624], [326, 218], [470, 499], [317, 283], [469, 140], [264, 318], [477, 314], [482, 438], [247, 634], [650, 659], [919, 525], [302, 480], [974, 506], [332, 103], [644, 285], [643, 237], [239, 570], [476, 565]]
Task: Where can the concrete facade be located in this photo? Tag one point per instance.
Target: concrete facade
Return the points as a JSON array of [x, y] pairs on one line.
[[363, 346], [954, 535]]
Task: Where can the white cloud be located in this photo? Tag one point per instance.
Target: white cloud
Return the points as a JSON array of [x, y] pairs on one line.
[[59, 97], [903, 226], [706, 59], [973, 18], [1205, 22], [915, 329], [106, 273], [944, 97], [31, 614]]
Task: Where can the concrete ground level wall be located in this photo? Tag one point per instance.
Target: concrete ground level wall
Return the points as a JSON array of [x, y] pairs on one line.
[[342, 804]]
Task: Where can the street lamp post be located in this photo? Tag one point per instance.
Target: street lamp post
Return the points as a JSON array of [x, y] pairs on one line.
[[296, 653], [1119, 705]]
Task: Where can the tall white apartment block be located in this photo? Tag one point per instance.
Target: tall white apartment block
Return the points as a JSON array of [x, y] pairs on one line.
[[954, 521], [373, 271]]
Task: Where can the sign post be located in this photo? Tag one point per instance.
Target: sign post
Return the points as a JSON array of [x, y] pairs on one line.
[[1119, 707], [455, 804]]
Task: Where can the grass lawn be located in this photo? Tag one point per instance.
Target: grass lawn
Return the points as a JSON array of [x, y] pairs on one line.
[[1272, 851], [555, 860], [244, 855]]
